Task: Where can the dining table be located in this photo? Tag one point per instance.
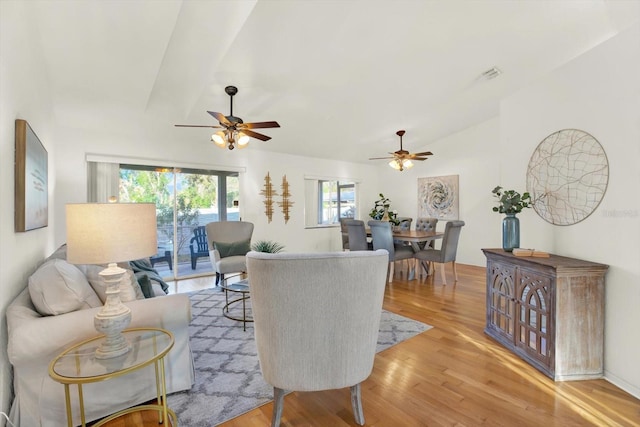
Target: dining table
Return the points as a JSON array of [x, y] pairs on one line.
[[414, 238]]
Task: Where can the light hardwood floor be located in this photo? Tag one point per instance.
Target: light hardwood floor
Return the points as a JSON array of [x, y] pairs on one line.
[[451, 375]]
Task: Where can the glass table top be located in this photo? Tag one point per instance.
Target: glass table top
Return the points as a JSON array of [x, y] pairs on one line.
[[239, 286], [78, 363]]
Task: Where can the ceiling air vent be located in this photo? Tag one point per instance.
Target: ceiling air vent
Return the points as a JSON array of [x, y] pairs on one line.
[[491, 73]]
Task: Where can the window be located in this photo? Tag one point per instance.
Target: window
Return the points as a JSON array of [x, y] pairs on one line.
[[335, 200], [185, 199], [327, 200]]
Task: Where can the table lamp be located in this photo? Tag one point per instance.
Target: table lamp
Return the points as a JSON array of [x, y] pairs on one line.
[[108, 233]]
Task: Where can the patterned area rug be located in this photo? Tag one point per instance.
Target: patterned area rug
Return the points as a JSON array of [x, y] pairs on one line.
[[228, 380]]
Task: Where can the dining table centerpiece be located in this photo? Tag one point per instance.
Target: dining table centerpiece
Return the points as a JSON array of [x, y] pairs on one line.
[[510, 203], [381, 211]]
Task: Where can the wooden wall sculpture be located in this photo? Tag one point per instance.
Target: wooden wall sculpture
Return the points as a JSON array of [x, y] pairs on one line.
[[286, 203], [269, 193]]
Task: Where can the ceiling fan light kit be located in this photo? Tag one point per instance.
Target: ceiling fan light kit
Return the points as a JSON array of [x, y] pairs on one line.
[[401, 165], [236, 133], [402, 159]]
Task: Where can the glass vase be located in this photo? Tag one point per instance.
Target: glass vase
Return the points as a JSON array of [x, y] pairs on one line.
[[510, 232]]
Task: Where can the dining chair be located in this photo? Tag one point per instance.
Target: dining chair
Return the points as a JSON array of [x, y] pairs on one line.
[[344, 233], [357, 236], [317, 317], [426, 224], [229, 242], [404, 225], [447, 251], [383, 239]]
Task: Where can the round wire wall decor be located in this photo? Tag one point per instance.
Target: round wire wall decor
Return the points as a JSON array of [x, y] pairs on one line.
[[567, 176]]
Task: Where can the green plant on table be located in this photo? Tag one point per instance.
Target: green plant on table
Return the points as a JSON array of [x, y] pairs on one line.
[[381, 205], [510, 201]]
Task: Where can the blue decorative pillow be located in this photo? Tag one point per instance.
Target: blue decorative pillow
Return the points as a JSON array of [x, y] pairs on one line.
[[233, 248]]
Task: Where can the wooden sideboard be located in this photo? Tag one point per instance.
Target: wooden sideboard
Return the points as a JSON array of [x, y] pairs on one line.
[[548, 311]]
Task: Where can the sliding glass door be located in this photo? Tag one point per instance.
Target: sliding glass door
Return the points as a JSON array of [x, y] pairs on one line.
[[186, 200]]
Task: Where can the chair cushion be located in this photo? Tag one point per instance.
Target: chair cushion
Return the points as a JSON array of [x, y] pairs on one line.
[[231, 264], [58, 287], [227, 249]]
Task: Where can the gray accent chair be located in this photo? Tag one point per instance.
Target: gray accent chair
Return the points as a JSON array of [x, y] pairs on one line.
[[447, 251], [228, 232], [382, 235], [317, 317], [357, 236]]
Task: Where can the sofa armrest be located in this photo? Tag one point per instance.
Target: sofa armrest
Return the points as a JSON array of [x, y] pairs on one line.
[[31, 338]]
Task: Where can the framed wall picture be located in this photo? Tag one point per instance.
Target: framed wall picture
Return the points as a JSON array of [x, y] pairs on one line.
[[438, 197], [31, 180]]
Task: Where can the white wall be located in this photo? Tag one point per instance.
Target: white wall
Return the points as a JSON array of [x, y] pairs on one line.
[[468, 154], [174, 148], [598, 92], [24, 95]]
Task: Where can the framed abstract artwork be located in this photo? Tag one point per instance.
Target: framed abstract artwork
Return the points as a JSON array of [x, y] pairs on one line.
[[438, 197], [31, 180]]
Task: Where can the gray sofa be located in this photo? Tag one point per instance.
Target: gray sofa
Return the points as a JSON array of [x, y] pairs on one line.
[[34, 339]]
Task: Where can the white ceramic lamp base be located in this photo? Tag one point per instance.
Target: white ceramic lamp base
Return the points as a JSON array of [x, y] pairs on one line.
[[114, 316]]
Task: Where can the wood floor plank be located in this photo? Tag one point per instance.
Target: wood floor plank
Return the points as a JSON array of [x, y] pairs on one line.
[[450, 375]]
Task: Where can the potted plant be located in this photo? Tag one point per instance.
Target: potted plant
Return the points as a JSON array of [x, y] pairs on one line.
[[510, 203], [381, 211], [268, 246]]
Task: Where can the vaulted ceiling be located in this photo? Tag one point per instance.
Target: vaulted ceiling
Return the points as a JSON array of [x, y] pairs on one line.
[[341, 77]]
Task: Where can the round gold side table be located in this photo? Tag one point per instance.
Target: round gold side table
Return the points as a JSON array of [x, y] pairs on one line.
[[78, 365]]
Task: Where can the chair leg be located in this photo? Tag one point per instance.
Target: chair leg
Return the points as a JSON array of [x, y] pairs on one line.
[[356, 404], [194, 261], [391, 270], [278, 401], [217, 278], [455, 273], [444, 278]]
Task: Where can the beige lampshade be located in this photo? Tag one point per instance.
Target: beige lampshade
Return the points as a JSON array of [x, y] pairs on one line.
[[100, 233]]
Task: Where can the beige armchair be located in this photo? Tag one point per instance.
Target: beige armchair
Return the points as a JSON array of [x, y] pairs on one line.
[[229, 241], [317, 317]]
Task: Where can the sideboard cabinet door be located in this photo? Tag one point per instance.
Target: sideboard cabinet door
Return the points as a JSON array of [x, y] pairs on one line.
[[534, 305], [501, 306]]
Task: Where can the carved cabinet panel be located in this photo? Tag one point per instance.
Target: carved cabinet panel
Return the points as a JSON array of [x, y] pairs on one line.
[[549, 311]]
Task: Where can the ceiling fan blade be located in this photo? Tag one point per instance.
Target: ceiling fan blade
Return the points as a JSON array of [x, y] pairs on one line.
[[256, 135], [220, 118], [258, 125], [197, 126], [380, 158], [424, 153], [420, 158]]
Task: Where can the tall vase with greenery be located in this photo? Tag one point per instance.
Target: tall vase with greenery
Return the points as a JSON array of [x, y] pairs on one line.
[[381, 211], [510, 203]]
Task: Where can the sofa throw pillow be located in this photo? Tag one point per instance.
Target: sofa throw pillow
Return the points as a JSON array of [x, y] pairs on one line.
[[233, 248], [58, 287], [129, 287]]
